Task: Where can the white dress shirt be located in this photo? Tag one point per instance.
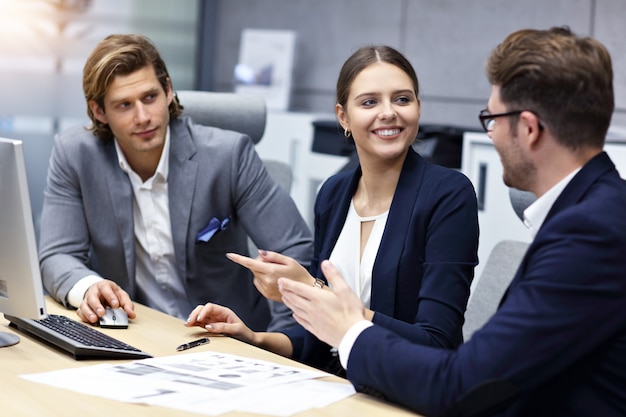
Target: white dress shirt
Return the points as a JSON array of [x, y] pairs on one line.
[[355, 269]]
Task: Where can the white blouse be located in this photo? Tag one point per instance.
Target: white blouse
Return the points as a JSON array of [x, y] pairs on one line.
[[356, 270]]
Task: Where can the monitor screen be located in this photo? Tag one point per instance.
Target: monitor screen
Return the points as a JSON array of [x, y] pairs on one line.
[[21, 290]]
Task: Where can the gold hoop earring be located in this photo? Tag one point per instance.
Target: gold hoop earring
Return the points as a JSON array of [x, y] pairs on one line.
[[346, 132]]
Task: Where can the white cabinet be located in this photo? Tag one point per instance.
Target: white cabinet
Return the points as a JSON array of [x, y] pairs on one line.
[[496, 217], [288, 138]]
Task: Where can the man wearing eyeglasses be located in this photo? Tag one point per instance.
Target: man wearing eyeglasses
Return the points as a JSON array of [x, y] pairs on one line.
[[557, 344]]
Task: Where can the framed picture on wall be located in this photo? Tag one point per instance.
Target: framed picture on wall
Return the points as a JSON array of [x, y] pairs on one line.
[[265, 65]]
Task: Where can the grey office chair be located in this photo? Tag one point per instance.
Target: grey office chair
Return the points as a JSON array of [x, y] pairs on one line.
[[240, 112], [520, 200], [233, 111], [498, 272]]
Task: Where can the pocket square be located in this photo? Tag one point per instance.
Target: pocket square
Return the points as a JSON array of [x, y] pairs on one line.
[[214, 226]]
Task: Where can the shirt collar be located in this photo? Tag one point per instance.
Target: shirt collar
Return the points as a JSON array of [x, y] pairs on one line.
[[536, 213], [164, 162]]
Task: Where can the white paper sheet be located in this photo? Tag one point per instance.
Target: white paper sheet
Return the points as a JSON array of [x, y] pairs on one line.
[[206, 382]]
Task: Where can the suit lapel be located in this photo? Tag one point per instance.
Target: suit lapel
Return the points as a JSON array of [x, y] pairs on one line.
[[578, 186], [121, 195], [337, 212], [181, 188], [385, 271]]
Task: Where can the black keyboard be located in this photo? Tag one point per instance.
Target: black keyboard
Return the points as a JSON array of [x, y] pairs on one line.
[[78, 339]]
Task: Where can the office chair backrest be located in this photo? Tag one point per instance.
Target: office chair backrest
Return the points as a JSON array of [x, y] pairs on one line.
[[498, 272], [239, 112], [520, 200], [233, 111]]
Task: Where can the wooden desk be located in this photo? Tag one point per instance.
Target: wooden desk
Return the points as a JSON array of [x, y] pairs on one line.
[[153, 332]]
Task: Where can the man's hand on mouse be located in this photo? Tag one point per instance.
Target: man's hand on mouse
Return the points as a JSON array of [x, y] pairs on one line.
[[101, 294]]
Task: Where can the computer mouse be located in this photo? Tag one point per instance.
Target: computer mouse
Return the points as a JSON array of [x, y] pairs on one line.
[[114, 318]]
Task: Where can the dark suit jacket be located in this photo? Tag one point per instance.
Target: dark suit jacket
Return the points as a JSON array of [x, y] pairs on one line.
[[87, 219], [557, 344], [425, 263]]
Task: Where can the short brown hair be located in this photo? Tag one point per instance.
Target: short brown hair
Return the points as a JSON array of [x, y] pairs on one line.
[[121, 55], [565, 79], [363, 58]]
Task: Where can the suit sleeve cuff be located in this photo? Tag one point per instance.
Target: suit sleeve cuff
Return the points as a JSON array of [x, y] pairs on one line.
[[345, 346], [77, 293]]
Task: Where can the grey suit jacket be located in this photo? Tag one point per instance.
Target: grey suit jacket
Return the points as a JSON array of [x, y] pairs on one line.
[[87, 218]]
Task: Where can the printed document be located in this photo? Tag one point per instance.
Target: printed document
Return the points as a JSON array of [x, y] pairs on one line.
[[209, 383]]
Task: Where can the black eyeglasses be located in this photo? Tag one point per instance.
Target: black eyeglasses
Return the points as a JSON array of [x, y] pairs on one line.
[[487, 119]]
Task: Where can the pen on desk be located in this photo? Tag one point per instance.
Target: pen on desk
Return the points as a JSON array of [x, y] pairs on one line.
[[195, 343]]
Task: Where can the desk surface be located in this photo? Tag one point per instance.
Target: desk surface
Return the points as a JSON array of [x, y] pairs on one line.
[[153, 332]]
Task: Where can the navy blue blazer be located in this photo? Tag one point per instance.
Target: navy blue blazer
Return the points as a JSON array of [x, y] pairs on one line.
[[425, 263], [557, 344]]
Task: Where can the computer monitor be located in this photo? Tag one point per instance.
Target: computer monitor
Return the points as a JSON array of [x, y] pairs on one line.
[[21, 290]]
